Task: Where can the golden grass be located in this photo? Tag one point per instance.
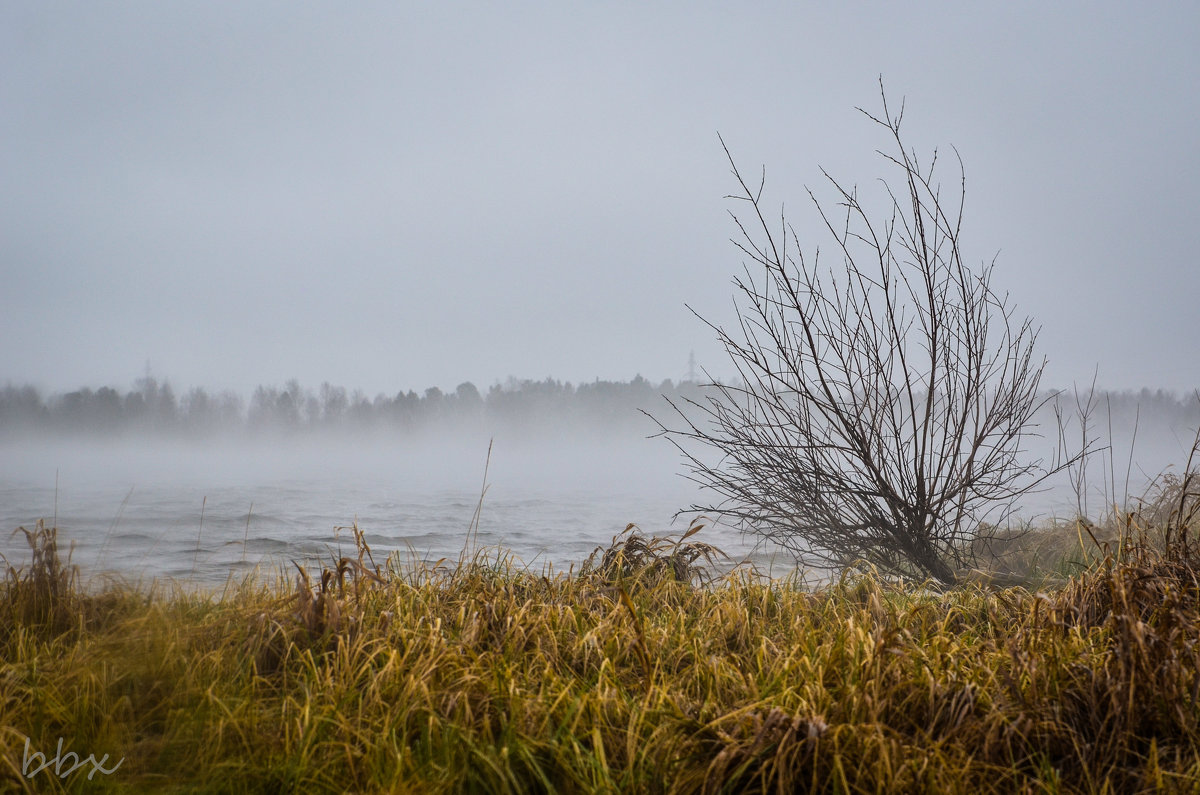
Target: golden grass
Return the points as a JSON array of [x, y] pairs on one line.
[[632, 675]]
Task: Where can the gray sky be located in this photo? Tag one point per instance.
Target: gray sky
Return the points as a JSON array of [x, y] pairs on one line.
[[399, 195]]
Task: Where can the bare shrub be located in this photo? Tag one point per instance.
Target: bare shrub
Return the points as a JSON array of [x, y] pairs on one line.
[[882, 402]]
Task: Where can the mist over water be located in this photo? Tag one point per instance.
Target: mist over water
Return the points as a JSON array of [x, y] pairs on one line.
[[145, 506], [155, 508]]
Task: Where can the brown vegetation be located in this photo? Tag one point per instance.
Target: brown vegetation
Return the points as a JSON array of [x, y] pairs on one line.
[[635, 674]]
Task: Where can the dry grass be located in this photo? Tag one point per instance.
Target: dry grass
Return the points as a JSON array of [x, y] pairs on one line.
[[646, 562], [640, 673]]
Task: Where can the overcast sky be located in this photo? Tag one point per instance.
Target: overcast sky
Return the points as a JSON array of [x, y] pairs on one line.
[[399, 195]]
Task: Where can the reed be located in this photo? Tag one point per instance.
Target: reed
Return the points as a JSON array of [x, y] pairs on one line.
[[641, 672]]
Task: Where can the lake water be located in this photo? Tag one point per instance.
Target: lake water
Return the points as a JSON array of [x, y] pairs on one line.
[[200, 514]]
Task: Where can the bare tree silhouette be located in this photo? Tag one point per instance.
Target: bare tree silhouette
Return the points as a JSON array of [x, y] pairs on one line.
[[883, 401]]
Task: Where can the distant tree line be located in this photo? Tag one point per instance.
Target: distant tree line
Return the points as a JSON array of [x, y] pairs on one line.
[[530, 406], [153, 406]]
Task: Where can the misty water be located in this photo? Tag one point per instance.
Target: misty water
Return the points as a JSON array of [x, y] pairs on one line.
[[147, 509], [203, 513]]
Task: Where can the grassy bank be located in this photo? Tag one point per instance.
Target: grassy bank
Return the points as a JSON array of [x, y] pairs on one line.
[[630, 675]]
